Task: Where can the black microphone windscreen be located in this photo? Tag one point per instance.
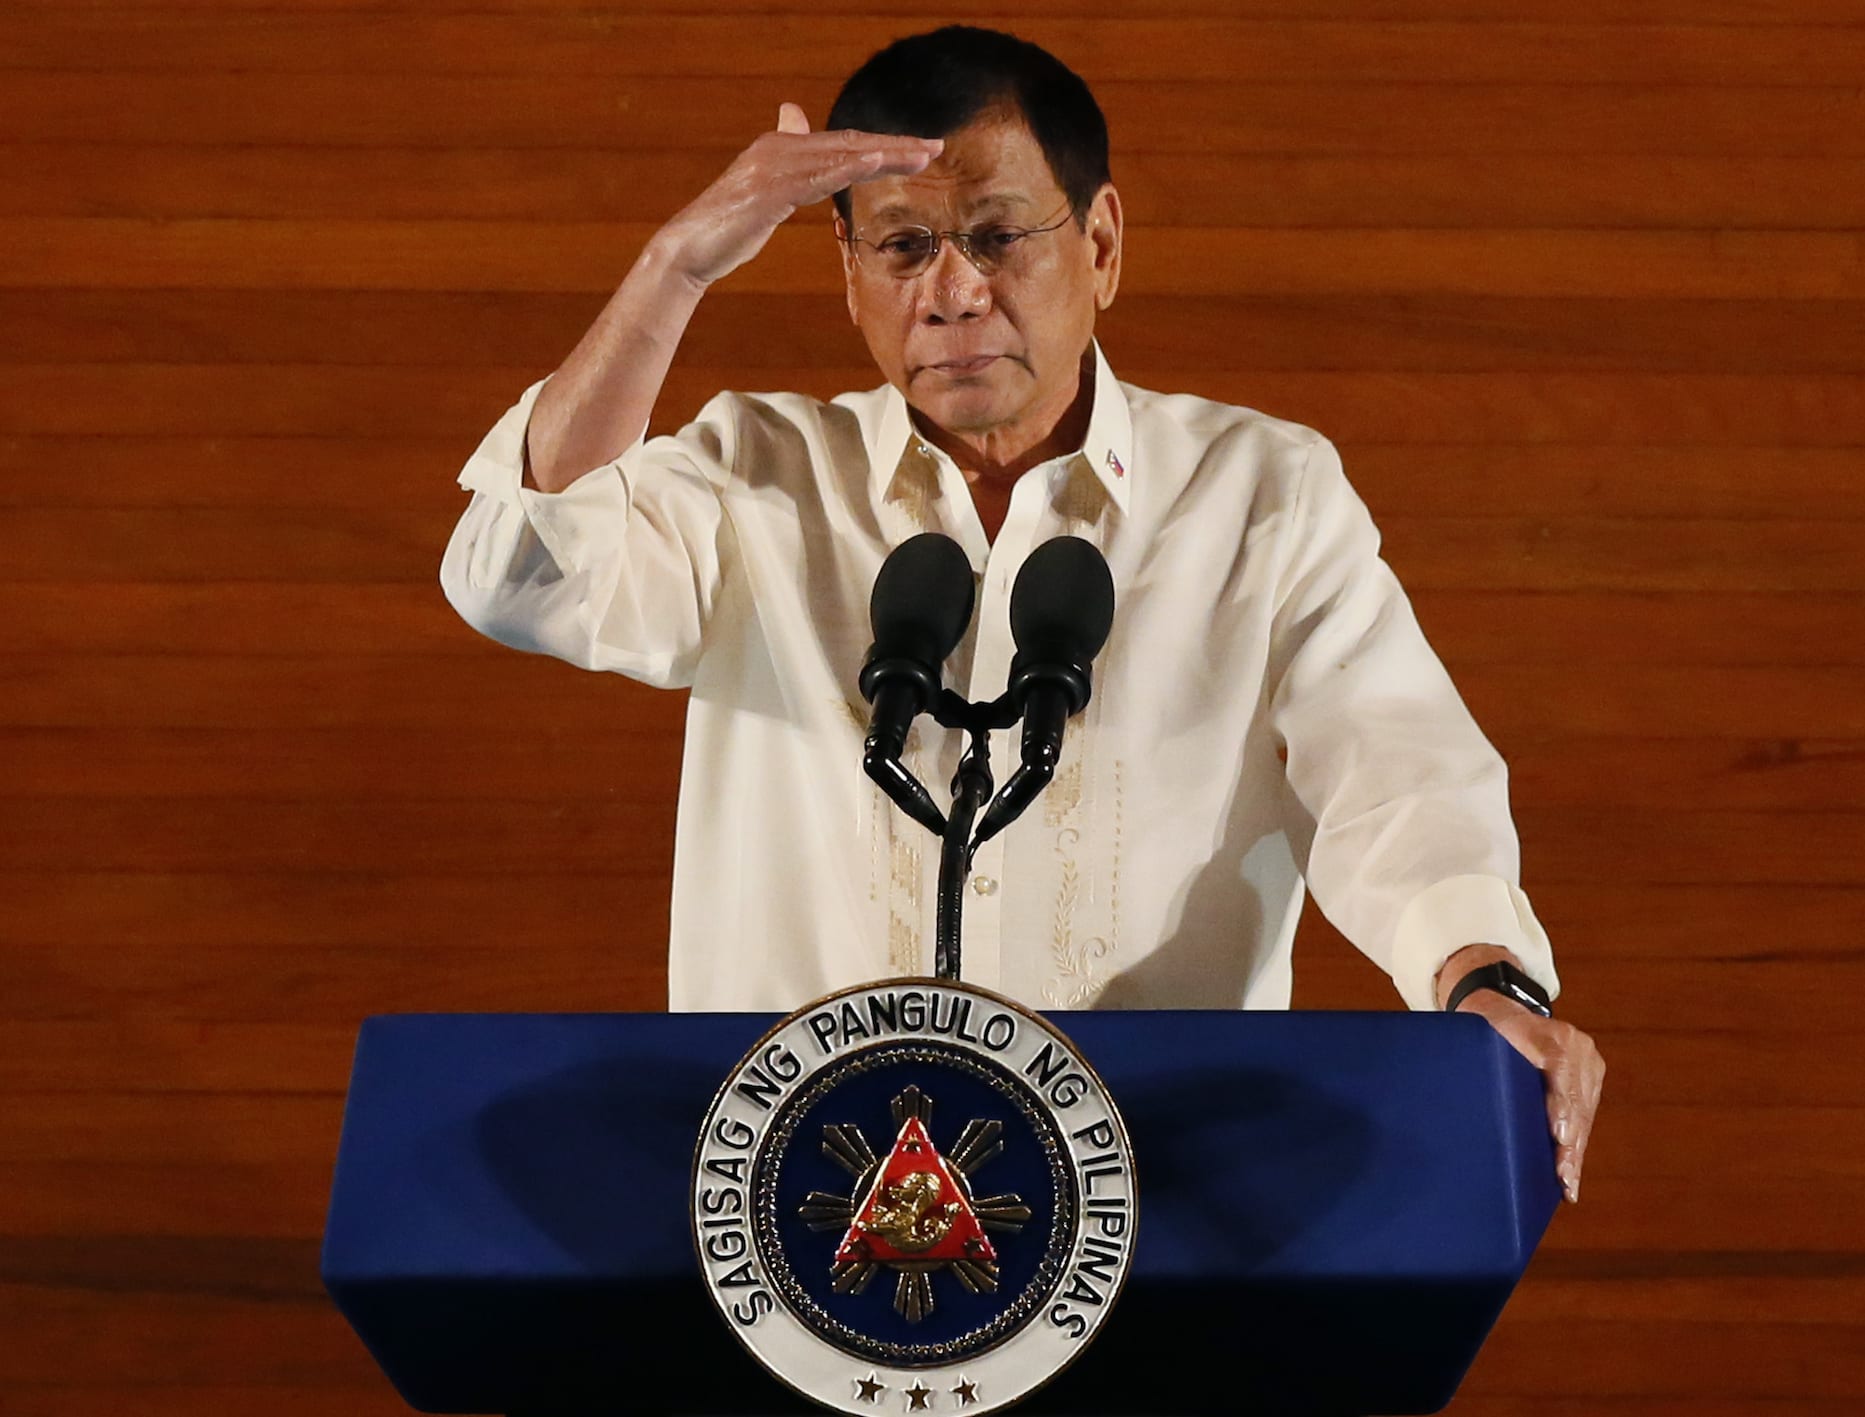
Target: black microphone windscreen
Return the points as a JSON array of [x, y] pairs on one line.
[[922, 600], [1062, 605]]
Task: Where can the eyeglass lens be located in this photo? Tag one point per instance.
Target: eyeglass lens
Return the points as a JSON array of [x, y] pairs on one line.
[[909, 250]]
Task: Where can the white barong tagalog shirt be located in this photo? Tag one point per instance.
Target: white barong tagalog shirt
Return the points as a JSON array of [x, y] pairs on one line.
[[1164, 867]]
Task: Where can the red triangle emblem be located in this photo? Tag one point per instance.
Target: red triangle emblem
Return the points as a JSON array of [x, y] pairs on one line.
[[916, 1211]]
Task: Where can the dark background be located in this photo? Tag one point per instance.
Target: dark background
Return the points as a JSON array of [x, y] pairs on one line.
[[1576, 287]]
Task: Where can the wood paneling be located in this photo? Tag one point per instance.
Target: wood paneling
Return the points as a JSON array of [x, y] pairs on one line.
[[1574, 287], [364, 618], [1223, 189], [234, 546], [1610, 15], [580, 838], [1628, 921], [655, 112], [1684, 480], [172, 1056], [614, 958], [1279, 50], [639, 767], [456, 255], [322, 401], [490, 692], [1368, 331]]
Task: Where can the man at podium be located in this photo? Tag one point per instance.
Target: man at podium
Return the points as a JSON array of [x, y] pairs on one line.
[[1267, 717]]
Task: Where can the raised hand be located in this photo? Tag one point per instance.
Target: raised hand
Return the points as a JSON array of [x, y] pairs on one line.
[[728, 223], [601, 397]]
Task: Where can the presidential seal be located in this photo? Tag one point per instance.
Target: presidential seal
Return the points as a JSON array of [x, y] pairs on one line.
[[914, 1196]]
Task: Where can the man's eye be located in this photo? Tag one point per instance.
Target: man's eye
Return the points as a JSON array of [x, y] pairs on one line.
[[997, 239], [906, 243]]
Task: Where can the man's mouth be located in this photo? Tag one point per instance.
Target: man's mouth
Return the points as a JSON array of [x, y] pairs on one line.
[[965, 366]]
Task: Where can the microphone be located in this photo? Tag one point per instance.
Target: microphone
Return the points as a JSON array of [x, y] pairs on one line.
[[1061, 609], [919, 609]]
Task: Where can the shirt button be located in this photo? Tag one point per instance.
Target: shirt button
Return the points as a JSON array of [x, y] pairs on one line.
[[984, 885]]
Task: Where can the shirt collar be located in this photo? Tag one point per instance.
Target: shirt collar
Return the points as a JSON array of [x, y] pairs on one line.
[[1107, 450]]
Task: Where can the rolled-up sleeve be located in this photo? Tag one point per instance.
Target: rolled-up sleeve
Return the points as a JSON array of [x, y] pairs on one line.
[[619, 570], [1400, 800]]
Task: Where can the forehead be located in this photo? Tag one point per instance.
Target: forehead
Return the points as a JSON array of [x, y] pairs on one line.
[[993, 164]]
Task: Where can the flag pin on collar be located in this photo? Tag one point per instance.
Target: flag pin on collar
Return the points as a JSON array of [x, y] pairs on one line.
[[1114, 463]]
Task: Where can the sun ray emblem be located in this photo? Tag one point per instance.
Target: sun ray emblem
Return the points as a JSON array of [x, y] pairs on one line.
[[913, 1211]]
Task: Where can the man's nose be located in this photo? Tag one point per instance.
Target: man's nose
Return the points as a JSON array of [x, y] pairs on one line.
[[952, 288]]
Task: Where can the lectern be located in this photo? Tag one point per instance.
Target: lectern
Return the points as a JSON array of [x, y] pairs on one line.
[[1333, 1209]]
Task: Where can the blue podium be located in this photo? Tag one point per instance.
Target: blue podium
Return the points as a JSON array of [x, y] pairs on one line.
[[1333, 1207]]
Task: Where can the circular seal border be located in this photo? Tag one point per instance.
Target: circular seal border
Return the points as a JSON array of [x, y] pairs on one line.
[[758, 1092]]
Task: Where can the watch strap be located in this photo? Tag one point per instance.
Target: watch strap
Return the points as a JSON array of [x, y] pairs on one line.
[[1506, 980]]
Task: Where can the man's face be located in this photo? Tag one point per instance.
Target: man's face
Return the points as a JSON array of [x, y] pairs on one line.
[[981, 354]]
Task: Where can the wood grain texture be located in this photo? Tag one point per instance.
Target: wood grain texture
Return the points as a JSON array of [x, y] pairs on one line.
[[615, 45], [800, 259], [1574, 288], [656, 112], [367, 618], [235, 546], [1683, 480], [639, 767], [485, 693], [1160, 189], [1791, 411], [1608, 15], [1364, 331]]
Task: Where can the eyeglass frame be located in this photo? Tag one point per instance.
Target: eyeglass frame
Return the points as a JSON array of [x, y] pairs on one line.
[[962, 239]]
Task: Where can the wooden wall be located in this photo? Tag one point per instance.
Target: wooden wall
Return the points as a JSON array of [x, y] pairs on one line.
[[1575, 285]]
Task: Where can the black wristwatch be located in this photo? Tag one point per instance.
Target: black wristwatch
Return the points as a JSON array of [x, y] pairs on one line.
[[1506, 980]]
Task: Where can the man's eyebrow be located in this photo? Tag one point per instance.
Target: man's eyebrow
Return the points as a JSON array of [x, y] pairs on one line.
[[1000, 201], [996, 202], [892, 211]]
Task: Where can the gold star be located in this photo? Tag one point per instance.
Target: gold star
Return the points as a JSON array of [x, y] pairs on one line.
[[917, 1396], [869, 1389], [966, 1392]]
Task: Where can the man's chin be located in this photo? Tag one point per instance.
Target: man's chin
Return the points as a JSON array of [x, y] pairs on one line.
[[964, 409]]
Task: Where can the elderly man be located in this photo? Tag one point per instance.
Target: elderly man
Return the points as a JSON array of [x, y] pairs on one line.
[[1267, 716]]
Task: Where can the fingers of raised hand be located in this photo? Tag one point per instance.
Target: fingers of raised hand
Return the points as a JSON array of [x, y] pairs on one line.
[[782, 170], [860, 155], [856, 140], [910, 155], [814, 165]]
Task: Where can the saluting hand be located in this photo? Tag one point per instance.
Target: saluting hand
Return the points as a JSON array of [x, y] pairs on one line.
[[728, 223]]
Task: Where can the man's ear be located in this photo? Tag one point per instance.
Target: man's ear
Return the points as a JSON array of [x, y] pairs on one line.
[[1104, 231], [848, 267]]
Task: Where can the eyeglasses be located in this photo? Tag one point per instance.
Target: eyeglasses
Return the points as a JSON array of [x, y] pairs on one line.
[[907, 250]]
